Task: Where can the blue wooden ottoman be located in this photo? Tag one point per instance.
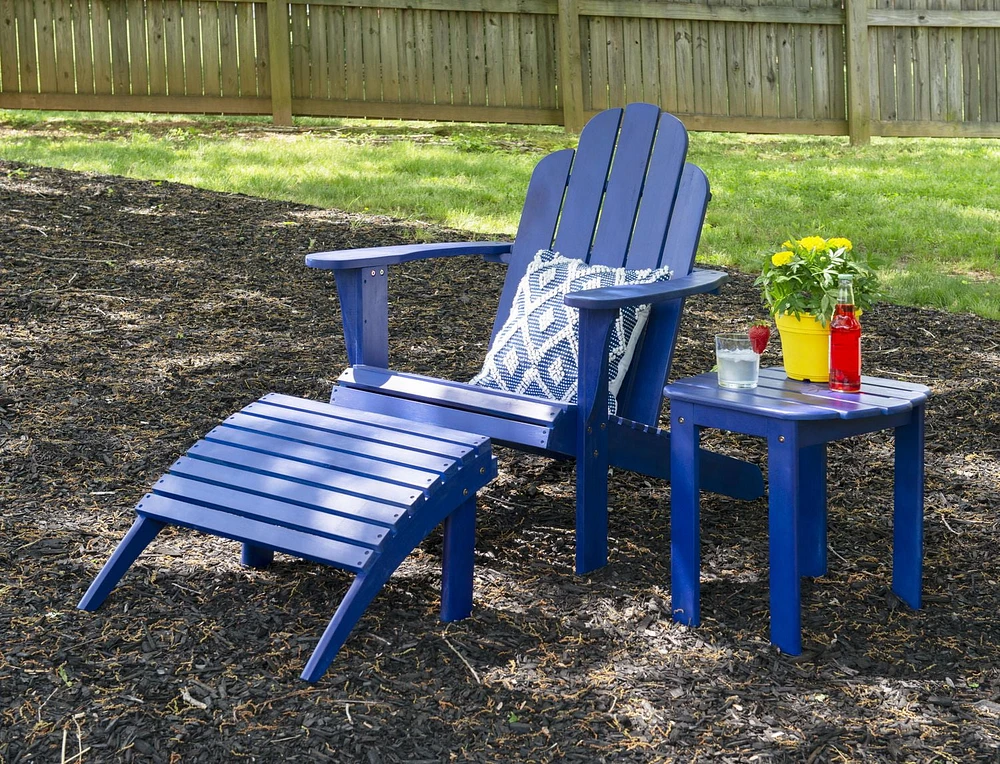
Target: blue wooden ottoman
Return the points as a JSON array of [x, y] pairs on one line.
[[347, 488], [798, 419]]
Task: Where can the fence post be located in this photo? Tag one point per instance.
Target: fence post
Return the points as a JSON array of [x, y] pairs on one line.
[[570, 70], [859, 81], [281, 63]]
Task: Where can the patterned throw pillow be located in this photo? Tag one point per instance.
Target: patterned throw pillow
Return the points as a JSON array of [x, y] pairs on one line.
[[536, 350]]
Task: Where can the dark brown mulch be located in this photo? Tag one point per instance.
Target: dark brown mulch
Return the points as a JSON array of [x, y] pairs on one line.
[[137, 315]]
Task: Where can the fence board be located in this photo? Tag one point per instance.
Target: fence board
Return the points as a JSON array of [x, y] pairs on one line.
[[770, 84], [701, 66], [734, 72], [598, 44], [902, 40], [616, 62], [352, 38], [228, 46], [101, 42], [989, 60], [408, 73], [458, 33], [45, 46], [477, 58], [970, 68], [192, 46], [246, 51], [528, 59], [441, 59], [173, 39], [82, 49], [649, 56], [493, 32], [300, 50], [548, 57], [718, 70], [319, 54], [118, 21], [820, 69], [335, 46], [389, 54], [423, 56], [887, 65], [211, 68], [138, 61], [511, 61], [785, 42], [752, 68], [263, 52], [683, 62], [837, 70], [62, 27], [157, 71], [953, 67], [8, 54], [631, 60]]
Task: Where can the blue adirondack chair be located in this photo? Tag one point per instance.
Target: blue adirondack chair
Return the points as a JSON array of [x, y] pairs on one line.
[[624, 197]]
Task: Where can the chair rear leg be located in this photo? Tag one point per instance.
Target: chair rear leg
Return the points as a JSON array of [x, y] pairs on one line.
[[458, 562], [143, 531]]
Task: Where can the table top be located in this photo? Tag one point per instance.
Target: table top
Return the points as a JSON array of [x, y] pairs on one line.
[[779, 397]]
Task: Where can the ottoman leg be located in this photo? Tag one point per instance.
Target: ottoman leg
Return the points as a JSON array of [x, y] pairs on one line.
[[143, 531], [256, 556], [458, 562], [351, 608]]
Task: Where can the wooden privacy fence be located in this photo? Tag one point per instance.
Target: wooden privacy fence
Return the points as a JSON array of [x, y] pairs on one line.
[[833, 67]]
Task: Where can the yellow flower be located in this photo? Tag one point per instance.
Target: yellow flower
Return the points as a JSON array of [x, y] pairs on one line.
[[812, 243], [781, 258], [838, 243]]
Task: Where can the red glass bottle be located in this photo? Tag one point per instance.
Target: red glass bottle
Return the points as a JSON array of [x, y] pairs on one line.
[[845, 341]]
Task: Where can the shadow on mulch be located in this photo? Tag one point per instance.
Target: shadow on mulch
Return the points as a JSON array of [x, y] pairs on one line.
[[136, 315]]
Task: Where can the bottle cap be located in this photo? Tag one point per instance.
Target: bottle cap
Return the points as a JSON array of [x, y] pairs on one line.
[[846, 276]]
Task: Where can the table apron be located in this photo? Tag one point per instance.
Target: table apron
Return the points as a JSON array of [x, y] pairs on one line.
[[811, 431]]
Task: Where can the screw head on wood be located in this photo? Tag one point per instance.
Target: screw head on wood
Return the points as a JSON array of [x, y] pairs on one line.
[[680, 420]]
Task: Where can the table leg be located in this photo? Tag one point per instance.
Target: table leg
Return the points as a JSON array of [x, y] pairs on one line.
[[908, 512], [812, 510], [685, 537], [783, 498]]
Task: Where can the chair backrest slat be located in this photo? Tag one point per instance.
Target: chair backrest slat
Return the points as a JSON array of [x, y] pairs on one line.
[[537, 226], [625, 185], [641, 395], [585, 193], [659, 194]]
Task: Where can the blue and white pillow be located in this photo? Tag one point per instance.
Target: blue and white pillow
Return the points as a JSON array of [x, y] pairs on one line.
[[536, 350]]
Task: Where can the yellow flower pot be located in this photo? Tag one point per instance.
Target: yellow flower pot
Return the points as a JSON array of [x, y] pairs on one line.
[[805, 347]]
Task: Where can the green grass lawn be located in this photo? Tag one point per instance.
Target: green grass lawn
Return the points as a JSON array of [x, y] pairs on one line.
[[927, 211]]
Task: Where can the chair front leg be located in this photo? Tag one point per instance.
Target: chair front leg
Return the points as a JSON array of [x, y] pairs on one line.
[[364, 307], [592, 440]]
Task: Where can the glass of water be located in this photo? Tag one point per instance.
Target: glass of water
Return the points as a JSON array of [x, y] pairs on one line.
[[738, 364]]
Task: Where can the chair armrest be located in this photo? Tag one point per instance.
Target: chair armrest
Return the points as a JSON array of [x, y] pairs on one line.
[[611, 298], [347, 259]]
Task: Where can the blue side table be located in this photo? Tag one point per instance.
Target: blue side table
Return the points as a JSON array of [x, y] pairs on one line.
[[798, 419]]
